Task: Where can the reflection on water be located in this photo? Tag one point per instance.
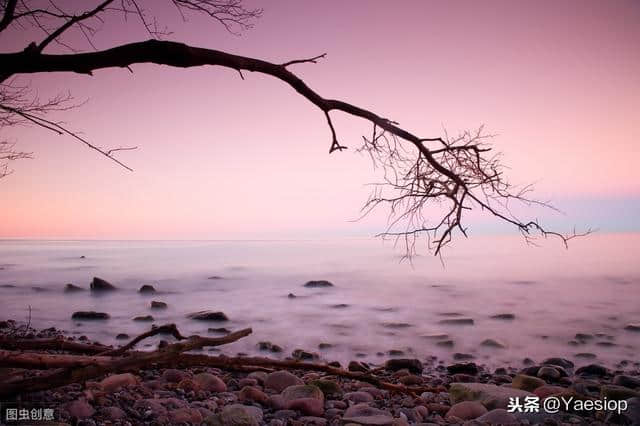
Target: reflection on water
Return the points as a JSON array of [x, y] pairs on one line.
[[495, 298]]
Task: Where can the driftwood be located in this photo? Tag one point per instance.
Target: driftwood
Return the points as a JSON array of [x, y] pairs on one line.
[[97, 360]]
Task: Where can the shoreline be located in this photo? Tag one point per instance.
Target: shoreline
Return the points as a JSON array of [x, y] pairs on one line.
[[254, 395]]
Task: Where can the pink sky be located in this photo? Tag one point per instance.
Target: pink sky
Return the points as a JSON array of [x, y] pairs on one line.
[[219, 157]]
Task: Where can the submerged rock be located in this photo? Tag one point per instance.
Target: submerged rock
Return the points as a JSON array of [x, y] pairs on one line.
[[208, 316], [493, 343], [90, 315], [457, 321], [72, 288], [158, 305], [632, 327], [147, 288], [143, 318], [219, 330], [503, 316], [98, 284], [122, 336], [318, 284]]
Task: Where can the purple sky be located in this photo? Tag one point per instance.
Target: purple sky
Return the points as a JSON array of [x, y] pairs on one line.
[[219, 157]]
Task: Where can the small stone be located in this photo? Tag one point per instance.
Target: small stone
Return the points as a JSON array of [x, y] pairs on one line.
[[71, 288], [364, 414], [80, 409], [506, 317], [464, 368], [210, 382], [236, 415], [173, 375], [413, 365], [303, 355], [549, 373], [632, 327], [457, 321], [329, 388], [592, 370], [491, 396], [585, 355], [499, 416], [146, 288], [98, 284], [117, 381], [219, 330], [446, 343], [291, 296], [527, 383], [251, 393], [358, 397], [493, 344], [560, 362], [208, 316], [280, 380], [143, 318], [318, 284], [325, 346], [548, 390], [122, 336], [185, 415], [357, 367], [462, 357], [90, 315], [113, 413], [614, 392], [466, 410], [627, 381], [158, 305]]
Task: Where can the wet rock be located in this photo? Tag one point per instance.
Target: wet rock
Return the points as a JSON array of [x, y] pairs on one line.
[[98, 284], [325, 346], [627, 381], [260, 376], [80, 409], [358, 397], [464, 368], [411, 380], [549, 373], [208, 316], [492, 343], [147, 289], [219, 330], [357, 367], [632, 327], [173, 375], [548, 390], [466, 410], [72, 288], [280, 380], [457, 321], [113, 413], [364, 414], [158, 305], [330, 388], [458, 356], [185, 415], [585, 355], [143, 318], [413, 365], [307, 399], [632, 413], [435, 336], [396, 325], [236, 415], [318, 284], [122, 336], [560, 362], [291, 296], [491, 396], [268, 346], [583, 336], [252, 393], [117, 381], [446, 343], [395, 352], [614, 392], [209, 382], [214, 277], [527, 383], [340, 306], [499, 416], [90, 315], [303, 355], [592, 370], [506, 317]]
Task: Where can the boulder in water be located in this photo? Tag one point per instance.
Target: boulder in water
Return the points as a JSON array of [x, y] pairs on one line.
[[72, 288], [146, 289], [208, 316], [92, 315], [158, 305], [318, 284], [98, 284]]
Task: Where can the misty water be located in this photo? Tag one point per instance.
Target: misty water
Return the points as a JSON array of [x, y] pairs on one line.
[[592, 288]]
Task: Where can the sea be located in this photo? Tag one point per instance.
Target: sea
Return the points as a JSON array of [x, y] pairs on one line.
[[379, 302]]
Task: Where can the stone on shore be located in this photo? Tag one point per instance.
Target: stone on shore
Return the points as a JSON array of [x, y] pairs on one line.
[[499, 416], [236, 415], [72, 288], [364, 414], [318, 284], [463, 368], [80, 409], [117, 381], [413, 365], [98, 284], [491, 396], [307, 399], [282, 379], [592, 370], [527, 383], [252, 393], [158, 305], [208, 316], [210, 382], [627, 381], [147, 289], [466, 410], [560, 362], [90, 315], [329, 388]]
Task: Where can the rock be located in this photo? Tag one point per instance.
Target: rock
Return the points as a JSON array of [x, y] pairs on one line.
[[527, 383], [457, 321], [98, 284], [614, 392], [632, 327], [499, 416], [71, 288], [464, 368], [585, 355], [318, 284], [117, 381], [80, 409], [113, 413], [364, 414], [325, 345], [491, 343], [209, 382], [219, 330], [307, 406], [548, 390], [185, 415], [411, 380], [147, 289], [122, 336], [446, 343], [90, 315], [592, 370], [560, 362], [503, 317], [158, 305], [627, 381], [395, 352], [357, 367], [214, 277], [329, 388], [291, 296], [236, 415], [396, 325], [632, 413], [280, 380], [491, 396], [143, 318], [208, 316], [340, 306], [307, 399], [173, 375], [303, 355], [413, 365], [583, 336], [549, 373], [313, 421], [358, 397], [462, 357], [252, 393], [466, 410], [260, 376]]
